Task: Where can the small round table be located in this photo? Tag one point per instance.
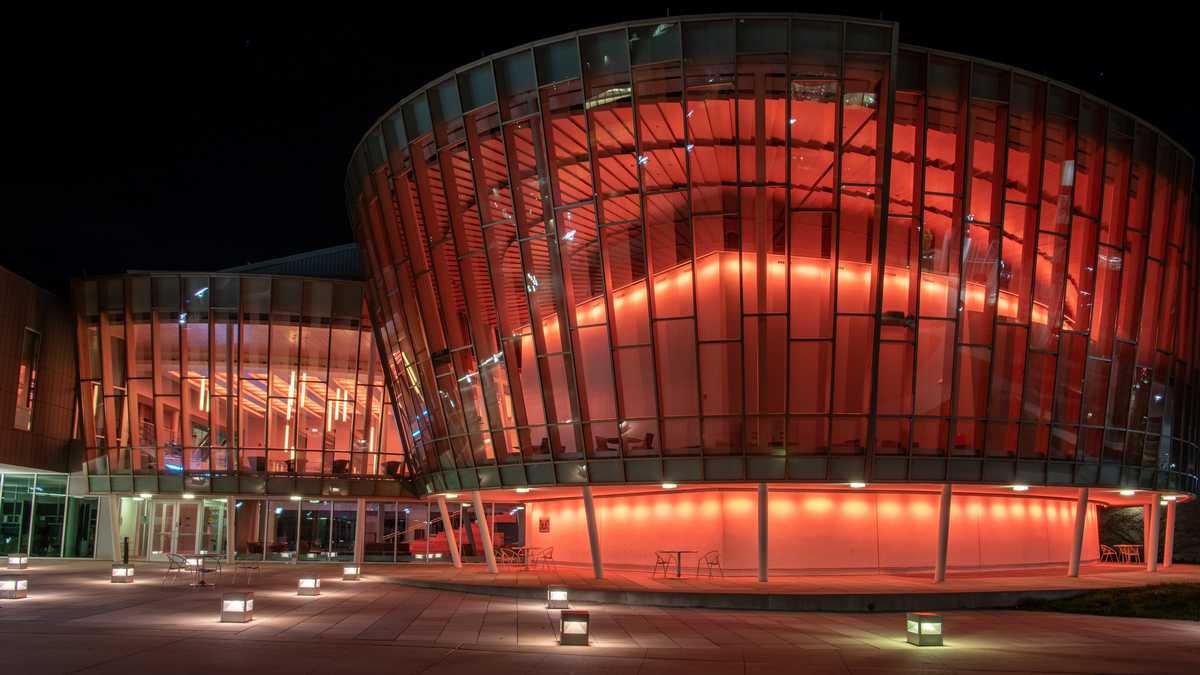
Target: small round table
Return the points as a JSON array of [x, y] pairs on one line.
[[678, 559]]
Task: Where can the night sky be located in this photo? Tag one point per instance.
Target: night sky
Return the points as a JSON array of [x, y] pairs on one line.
[[195, 143]]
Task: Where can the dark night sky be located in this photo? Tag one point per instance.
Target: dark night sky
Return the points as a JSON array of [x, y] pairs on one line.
[[200, 143]]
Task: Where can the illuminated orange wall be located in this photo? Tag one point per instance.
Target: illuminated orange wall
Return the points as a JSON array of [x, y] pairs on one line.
[[816, 531]]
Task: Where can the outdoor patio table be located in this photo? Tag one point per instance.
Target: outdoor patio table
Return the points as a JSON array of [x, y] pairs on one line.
[[526, 552], [1130, 551], [678, 559]]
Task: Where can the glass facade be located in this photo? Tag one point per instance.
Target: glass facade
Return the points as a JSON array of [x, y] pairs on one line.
[[226, 383], [39, 518], [777, 248]]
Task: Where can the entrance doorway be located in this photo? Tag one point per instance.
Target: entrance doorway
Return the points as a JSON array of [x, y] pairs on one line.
[[185, 527]]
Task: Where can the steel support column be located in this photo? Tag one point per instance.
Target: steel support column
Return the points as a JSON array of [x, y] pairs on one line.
[[360, 529], [485, 535], [762, 531], [943, 536], [1081, 507], [448, 528], [230, 529], [114, 525], [589, 512], [1169, 540], [1152, 535]]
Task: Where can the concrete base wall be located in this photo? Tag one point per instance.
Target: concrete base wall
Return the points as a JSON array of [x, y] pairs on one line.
[[848, 532]]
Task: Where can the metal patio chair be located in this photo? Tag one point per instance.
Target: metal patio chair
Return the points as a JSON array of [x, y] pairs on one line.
[[546, 559], [710, 560], [250, 568], [665, 560], [176, 565], [1109, 554]]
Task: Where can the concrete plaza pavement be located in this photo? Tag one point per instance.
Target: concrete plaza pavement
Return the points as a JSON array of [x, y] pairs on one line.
[[75, 621]]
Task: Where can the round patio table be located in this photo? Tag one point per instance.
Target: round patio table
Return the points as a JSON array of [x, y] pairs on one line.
[[678, 559]]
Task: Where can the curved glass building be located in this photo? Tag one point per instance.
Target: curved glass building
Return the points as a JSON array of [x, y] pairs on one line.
[[710, 251]]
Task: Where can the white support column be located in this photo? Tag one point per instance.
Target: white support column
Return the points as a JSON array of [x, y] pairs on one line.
[[943, 540], [485, 535], [1169, 541], [762, 531], [446, 527], [114, 525], [589, 512], [1152, 535], [360, 529], [1081, 508], [230, 529]]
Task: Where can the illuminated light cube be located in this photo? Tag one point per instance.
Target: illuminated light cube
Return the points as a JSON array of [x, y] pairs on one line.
[[351, 572], [557, 597], [924, 629], [574, 628], [17, 561], [309, 585], [122, 574], [14, 587], [237, 607]]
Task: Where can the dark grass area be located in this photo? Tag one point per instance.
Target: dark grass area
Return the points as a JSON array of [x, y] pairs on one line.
[[1162, 601]]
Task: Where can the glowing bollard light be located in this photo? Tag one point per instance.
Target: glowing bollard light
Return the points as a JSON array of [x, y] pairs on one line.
[[351, 572], [14, 587], [310, 585], [574, 628], [122, 574], [17, 561], [237, 607], [924, 629], [557, 597]]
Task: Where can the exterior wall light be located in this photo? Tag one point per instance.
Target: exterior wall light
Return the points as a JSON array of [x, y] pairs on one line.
[[351, 572], [451, 495], [522, 491], [146, 495], [237, 607], [573, 628], [1020, 488], [17, 561], [14, 587], [669, 486], [309, 585], [1128, 493], [188, 495], [122, 573], [858, 484], [924, 629], [295, 498], [1170, 498], [557, 597]]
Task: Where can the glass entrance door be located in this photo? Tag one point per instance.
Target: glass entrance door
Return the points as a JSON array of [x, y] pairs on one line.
[[163, 529], [187, 528]]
